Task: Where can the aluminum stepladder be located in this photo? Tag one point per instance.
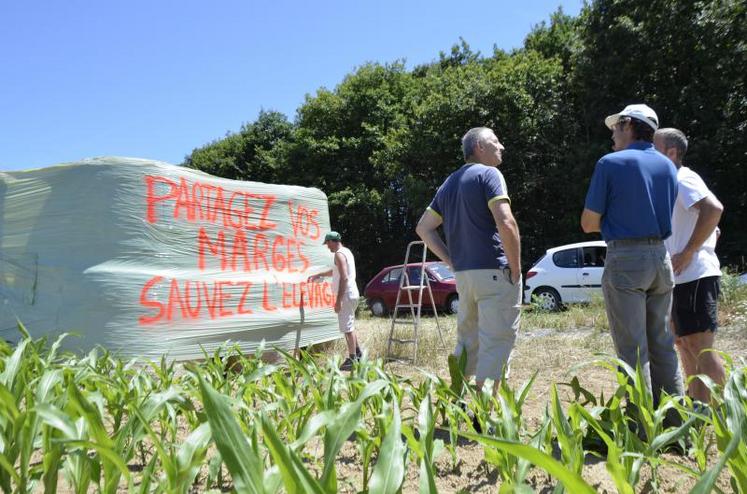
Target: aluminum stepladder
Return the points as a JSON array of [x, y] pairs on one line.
[[414, 303]]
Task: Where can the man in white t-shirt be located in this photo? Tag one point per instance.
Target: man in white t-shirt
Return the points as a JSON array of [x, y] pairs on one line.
[[696, 268], [346, 294]]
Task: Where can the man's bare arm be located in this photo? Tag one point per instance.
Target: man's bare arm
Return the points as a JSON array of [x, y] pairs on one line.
[[709, 214], [342, 267], [315, 277], [426, 230], [591, 221], [509, 233]]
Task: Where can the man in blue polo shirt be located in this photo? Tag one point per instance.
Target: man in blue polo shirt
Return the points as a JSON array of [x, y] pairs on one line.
[[630, 200], [484, 252]]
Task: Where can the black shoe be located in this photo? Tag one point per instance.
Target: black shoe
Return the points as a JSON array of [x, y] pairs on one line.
[[679, 448], [347, 364], [702, 408], [475, 421], [476, 424]]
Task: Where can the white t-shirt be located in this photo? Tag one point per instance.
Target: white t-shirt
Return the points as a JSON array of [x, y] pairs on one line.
[[352, 291], [691, 189]]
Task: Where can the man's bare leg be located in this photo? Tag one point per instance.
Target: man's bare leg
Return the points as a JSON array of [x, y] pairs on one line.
[[689, 365], [352, 342], [708, 363]]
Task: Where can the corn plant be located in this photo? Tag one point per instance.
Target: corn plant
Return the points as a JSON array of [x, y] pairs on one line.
[[425, 448], [729, 420], [91, 417], [569, 432]]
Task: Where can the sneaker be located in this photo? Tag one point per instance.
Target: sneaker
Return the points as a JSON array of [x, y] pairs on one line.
[[679, 448], [475, 421], [702, 408], [347, 364], [476, 424]]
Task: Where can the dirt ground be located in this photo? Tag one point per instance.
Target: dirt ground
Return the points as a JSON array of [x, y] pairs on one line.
[[557, 355]]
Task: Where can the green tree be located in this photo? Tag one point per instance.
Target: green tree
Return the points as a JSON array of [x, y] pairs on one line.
[[254, 153]]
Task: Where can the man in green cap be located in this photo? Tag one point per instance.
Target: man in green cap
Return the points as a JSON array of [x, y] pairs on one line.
[[346, 291]]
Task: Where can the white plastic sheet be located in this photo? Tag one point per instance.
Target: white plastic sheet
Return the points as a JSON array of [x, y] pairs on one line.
[[147, 258]]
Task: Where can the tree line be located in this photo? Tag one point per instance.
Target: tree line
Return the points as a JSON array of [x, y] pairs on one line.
[[381, 142]]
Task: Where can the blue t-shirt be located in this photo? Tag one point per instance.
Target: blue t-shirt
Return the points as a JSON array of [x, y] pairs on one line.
[[634, 190], [462, 203]]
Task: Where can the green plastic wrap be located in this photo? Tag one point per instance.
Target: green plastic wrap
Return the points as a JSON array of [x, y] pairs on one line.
[[148, 259]]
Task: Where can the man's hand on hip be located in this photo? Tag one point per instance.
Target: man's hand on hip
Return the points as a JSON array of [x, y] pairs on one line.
[[681, 261], [515, 276]]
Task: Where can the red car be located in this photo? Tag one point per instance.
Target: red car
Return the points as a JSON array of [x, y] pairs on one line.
[[381, 291]]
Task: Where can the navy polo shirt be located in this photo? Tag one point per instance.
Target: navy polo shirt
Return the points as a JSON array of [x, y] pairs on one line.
[[462, 202], [634, 190]]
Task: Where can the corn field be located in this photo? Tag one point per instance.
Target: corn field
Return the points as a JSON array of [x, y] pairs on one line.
[[95, 423]]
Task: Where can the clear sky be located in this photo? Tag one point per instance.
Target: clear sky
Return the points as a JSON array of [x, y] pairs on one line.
[[157, 78]]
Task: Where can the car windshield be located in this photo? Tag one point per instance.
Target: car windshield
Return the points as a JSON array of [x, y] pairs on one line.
[[442, 271]]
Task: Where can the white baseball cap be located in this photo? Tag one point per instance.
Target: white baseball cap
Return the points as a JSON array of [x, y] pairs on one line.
[[641, 112]]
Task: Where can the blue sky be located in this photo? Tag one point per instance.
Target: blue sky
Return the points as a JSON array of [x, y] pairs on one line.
[[155, 79]]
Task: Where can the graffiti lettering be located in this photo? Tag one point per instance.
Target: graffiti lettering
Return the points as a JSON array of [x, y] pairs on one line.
[[286, 254], [303, 221], [190, 300], [209, 203]]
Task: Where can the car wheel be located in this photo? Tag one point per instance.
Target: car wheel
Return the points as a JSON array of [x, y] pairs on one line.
[[452, 304], [547, 298], [378, 308]]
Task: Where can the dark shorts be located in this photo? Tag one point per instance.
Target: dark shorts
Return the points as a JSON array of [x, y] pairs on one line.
[[695, 306]]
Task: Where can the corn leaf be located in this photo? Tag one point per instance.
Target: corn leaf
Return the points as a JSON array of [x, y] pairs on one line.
[[240, 459]]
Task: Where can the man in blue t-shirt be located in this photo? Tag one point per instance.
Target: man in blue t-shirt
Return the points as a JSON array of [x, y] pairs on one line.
[[630, 200], [483, 248]]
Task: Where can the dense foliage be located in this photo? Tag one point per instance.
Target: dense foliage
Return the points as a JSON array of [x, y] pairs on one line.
[[384, 139]]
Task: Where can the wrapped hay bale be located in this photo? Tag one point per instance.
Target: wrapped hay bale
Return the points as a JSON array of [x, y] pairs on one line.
[[147, 259]]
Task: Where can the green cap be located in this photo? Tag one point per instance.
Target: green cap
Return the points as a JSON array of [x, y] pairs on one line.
[[332, 236]]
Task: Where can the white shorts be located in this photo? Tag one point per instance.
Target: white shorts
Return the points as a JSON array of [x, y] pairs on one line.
[[346, 316]]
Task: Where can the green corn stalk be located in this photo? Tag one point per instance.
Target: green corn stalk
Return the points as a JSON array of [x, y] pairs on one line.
[[389, 471], [24, 382], [729, 420], [147, 475], [457, 365], [179, 466], [339, 426], [242, 460], [336, 434], [52, 459], [618, 472], [428, 447], [453, 415], [79, 466], [572, 481], [73, 439], [104, 445], [569, 434], [367, 444], [650, 420], [215, 471], [295, 476], [13, 420]]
